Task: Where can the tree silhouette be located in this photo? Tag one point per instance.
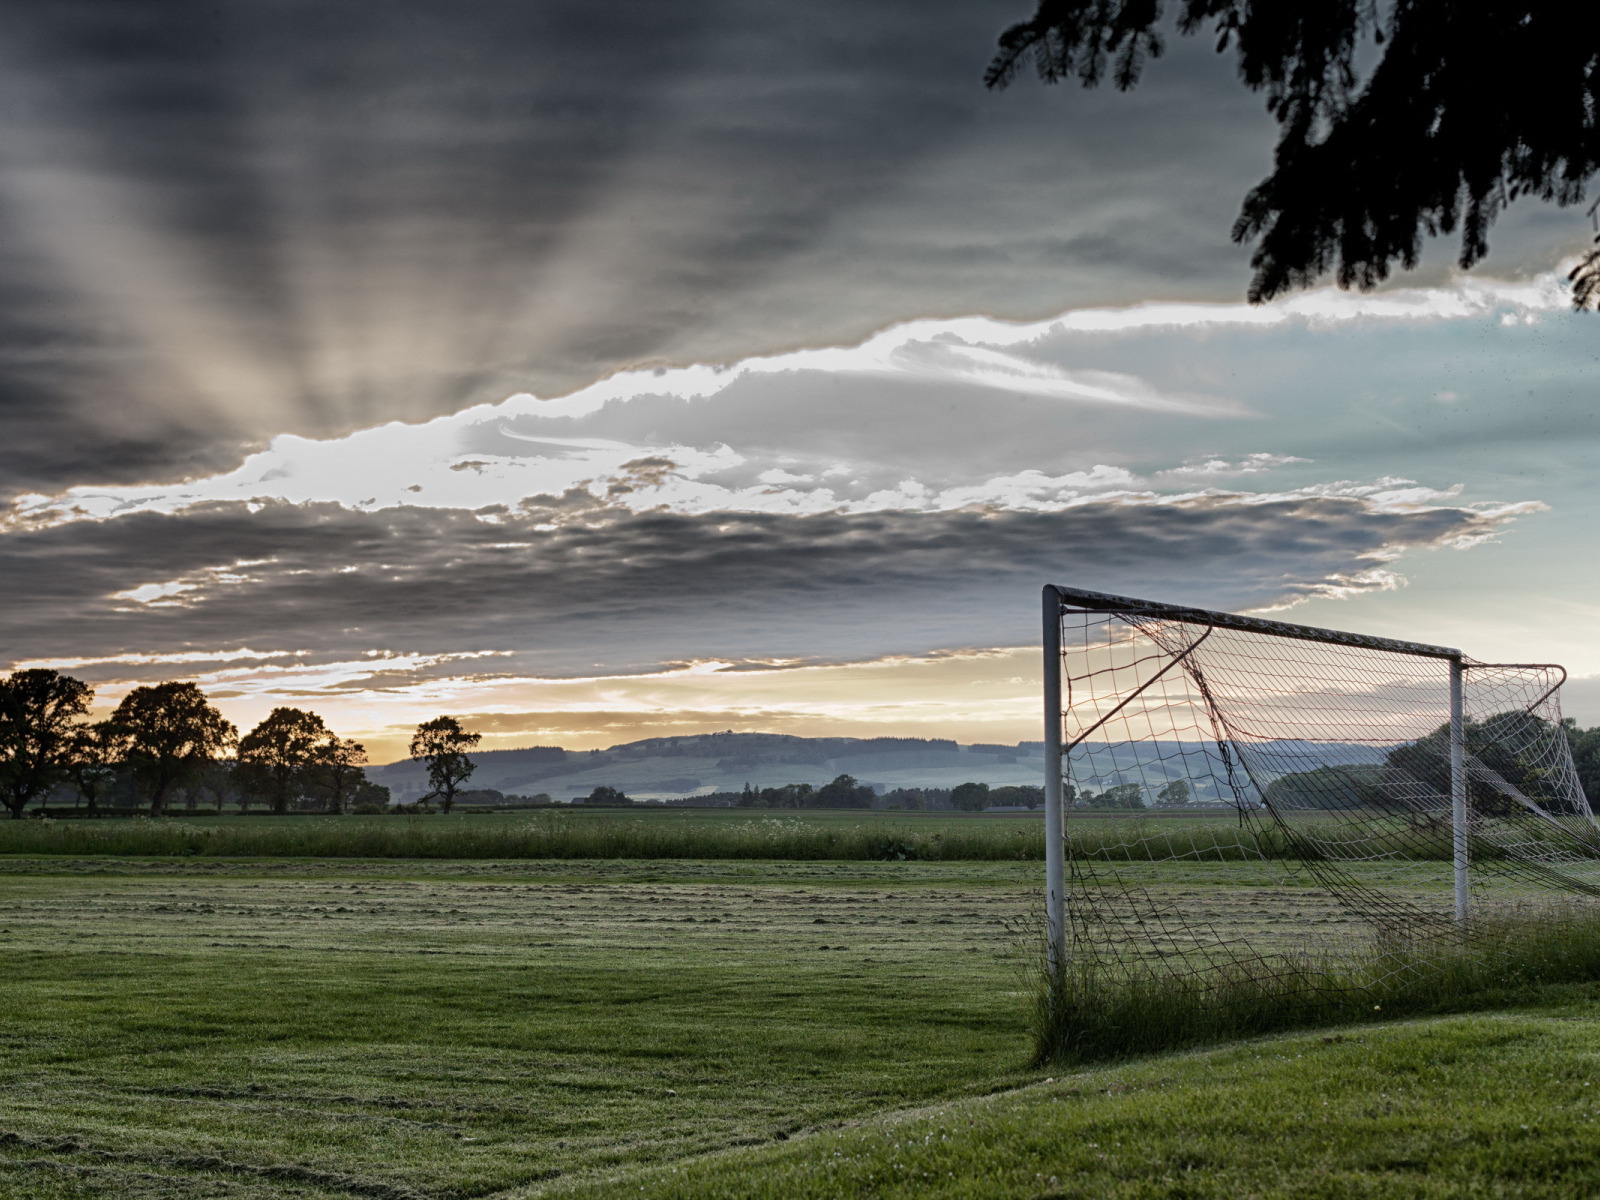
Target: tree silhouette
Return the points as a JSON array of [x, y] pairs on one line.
[[1468, 105], [970, 797], [443, 744], [216, 780], [845, 792], [1123, 795], [93, 759], [39, 711], [171, 729], [335, 770], [274, 756]]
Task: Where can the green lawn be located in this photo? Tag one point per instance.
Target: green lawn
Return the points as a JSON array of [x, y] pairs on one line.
[[345, 1028], [455, 1029], [1506, 1105]]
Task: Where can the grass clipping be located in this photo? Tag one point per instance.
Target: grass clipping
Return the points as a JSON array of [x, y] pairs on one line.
[[1093, 1011]]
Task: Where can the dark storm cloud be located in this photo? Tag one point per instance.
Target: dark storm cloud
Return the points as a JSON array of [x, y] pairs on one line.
[[423, 137], [223, 221], [572, 583]]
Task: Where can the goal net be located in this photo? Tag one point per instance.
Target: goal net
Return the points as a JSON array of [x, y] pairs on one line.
[[1234, 790]]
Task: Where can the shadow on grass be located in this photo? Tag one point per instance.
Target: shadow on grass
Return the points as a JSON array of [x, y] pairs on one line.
[[1095, 1011]]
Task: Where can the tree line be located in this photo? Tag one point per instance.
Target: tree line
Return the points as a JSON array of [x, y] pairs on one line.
[[1513, 747], [845, 792], [168, 737], [842, 792]]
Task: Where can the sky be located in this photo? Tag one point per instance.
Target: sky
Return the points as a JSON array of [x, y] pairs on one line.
[[596, 372]]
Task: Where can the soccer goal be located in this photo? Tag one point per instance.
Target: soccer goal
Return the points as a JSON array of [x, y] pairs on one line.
[[1222, 789]]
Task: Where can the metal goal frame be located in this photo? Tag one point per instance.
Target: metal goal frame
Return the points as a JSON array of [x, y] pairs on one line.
[[1058, 600]]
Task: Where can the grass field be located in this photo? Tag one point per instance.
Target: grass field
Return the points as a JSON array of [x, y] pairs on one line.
[[396, 1029], [549, 834], [391, 1028], [1504, 1105], [645, 833]]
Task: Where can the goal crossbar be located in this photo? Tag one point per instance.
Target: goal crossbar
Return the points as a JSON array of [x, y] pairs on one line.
[[1103, 602]]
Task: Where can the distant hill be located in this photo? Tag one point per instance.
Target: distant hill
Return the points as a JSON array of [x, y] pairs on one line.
[[672, 767]]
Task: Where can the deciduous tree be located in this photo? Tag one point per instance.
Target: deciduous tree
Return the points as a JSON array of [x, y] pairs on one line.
[[790, 795], [275, 756], [1466, 105], [1174, 794], [1516, 746], [39, 713], [443, 744], [335, 770], [370, 798], [171, 730], [1024, 794], [215, 780], [970, 797], [96, 753], [845, 792], [1123, 795], [1585, 745]]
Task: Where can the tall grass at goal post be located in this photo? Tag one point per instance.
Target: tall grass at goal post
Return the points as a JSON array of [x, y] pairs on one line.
[[1095, 1011]]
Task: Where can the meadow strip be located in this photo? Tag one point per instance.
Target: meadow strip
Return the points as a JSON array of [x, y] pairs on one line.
[[669, 835]]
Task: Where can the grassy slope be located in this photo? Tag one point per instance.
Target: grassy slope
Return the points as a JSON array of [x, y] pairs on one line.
[[335, 1029], [1505, 1105]]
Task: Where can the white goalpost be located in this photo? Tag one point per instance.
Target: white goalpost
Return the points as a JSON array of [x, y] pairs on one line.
[[1337, 788]]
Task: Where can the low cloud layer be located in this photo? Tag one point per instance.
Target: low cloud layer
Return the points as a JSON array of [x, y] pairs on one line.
[[571, 582], [925, 415]]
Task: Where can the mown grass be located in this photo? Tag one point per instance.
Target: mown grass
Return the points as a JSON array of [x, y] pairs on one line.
[[1503, 1106], [451, 1029], [859, 837], [1093, 1011], [407, 1029]]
